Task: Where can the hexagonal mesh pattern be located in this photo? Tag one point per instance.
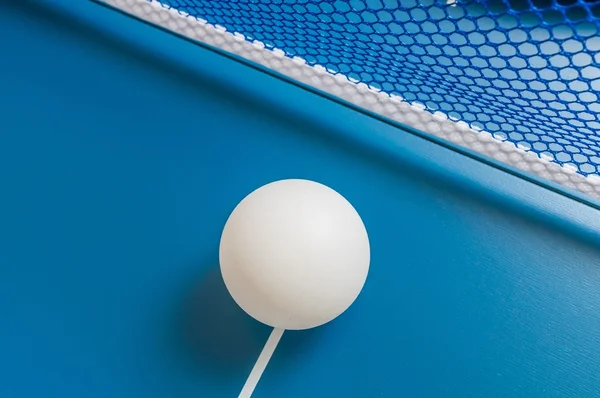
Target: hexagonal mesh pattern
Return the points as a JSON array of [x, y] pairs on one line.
[[544, 126], [525, 71]]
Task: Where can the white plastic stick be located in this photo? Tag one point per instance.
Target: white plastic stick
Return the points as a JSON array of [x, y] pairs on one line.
[[261, 363]]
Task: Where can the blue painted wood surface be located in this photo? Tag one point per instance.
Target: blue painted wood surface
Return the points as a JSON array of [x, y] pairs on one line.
[[123, 150]]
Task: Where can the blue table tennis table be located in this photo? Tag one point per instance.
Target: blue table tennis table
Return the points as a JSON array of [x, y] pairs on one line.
[[123, 149]]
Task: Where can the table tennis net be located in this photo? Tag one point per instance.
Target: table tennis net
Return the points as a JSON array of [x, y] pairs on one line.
[[517, 81]]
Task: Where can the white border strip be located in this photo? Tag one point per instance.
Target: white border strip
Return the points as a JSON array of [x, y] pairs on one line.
[[359, 94], [261, 363]]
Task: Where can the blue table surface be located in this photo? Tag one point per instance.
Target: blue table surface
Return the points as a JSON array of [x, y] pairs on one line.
[[122, 151]]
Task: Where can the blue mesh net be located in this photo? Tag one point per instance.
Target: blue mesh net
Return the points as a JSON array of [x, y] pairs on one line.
[[527, 71]]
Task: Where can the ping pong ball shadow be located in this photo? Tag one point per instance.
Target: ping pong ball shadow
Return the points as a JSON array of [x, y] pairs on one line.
[[217, 332], [221, 338]]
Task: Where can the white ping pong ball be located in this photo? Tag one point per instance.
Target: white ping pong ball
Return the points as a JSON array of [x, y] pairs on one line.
[[294, 254]]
